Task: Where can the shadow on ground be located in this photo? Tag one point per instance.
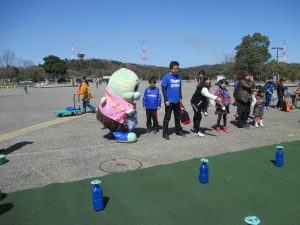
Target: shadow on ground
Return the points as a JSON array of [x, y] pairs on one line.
[[15, 147]]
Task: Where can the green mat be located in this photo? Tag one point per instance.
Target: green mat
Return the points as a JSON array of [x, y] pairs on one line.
[[241, 183]]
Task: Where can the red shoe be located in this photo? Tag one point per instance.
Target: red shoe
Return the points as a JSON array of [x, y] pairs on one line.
[[225, 129], [218, 130]]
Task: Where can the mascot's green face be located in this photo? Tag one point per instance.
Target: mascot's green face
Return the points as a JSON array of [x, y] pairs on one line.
[[125, 83]]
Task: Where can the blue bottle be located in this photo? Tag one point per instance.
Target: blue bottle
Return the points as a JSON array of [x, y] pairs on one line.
[[204, 170], [279, 156], [97, 194]]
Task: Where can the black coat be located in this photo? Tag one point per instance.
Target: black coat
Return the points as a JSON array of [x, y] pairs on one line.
[[243, 91], [199, 101], [280, 90]]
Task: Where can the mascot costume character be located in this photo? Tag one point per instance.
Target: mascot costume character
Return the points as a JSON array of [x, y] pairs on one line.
[[117, 110]]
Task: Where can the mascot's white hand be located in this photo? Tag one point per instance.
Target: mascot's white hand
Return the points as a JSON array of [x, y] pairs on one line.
[[136, 95], [129, 112], [131, 96], [103, 100], [128, 96]]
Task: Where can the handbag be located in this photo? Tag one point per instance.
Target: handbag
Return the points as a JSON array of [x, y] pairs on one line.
[[184, 116]]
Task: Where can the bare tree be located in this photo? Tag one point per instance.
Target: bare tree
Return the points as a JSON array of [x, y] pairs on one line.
[[25, 67], [25, 63], [7, 58], [229, 66]]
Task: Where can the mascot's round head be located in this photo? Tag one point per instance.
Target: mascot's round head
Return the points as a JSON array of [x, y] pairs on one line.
[[125, 83]]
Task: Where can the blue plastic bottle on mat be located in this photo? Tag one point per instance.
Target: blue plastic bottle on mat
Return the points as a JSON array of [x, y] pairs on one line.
[[204, 171], [97, 194], [279, 156]]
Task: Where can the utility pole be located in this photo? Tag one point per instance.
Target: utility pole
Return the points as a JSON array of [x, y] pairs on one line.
[[276, 70], [144, 54]]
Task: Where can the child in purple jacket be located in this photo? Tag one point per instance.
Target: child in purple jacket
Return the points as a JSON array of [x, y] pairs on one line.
[[222, 108]]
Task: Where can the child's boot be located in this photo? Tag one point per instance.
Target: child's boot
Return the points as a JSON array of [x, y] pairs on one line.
[[256, 124], [218, 129], [261, 123]]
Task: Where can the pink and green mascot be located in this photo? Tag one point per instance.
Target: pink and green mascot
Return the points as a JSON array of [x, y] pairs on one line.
[[117, 110]]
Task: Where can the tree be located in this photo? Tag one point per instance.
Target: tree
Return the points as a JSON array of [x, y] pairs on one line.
[[229, 67], [55, 66], [7, 58], [252, 53]]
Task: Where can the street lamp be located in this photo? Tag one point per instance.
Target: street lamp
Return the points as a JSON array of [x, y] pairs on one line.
[[276, 70]]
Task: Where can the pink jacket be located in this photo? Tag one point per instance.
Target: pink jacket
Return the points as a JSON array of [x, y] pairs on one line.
[[114, 106]]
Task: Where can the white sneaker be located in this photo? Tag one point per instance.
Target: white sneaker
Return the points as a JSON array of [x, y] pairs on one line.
[[200, 134], [205, 113], [261, 124], [256, 125]]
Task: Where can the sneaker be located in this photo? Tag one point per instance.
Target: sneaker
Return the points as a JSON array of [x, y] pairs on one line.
[[149, 130], [180, 133], [205, 114], [155, 131], [200, 134], [225, 129], [166, 136], [218, 130]]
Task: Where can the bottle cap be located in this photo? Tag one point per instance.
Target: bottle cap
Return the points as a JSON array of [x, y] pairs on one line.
[[204, 160], [95, 182], [278, 146], [252, 220]]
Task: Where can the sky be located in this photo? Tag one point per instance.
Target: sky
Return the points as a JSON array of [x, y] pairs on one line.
[[192, 32]]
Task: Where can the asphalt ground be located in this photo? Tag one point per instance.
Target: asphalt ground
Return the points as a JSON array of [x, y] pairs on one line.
[[42, 149]]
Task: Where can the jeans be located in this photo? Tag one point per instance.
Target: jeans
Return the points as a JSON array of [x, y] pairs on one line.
[[86, 103]]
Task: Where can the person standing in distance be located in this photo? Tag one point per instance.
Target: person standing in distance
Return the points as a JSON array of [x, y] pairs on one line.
[[171, 89]]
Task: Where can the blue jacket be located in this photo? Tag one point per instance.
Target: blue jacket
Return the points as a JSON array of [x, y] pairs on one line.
[[269, 88], [151, 99]]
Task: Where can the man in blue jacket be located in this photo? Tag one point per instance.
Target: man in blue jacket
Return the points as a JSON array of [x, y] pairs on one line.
[[269, 88], [171, 89], [152, 103]]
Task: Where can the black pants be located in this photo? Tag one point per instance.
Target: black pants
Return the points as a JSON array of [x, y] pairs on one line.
[[224, 120], [197, 120], [280, 102], [152, 114], [175, 107], [243, 112]]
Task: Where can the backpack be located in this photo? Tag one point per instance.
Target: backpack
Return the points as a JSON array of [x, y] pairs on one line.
[[286, 106]]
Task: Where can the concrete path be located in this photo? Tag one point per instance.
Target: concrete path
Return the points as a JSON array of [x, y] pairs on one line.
[[42, 149]]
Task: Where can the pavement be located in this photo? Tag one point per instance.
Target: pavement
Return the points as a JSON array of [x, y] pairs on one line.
[[42, 149]]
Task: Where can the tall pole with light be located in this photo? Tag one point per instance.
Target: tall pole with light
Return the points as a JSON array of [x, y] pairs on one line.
[[276, 70]]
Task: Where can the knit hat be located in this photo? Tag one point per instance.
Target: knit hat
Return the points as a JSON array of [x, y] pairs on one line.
[[79, 80], [223, 80]]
